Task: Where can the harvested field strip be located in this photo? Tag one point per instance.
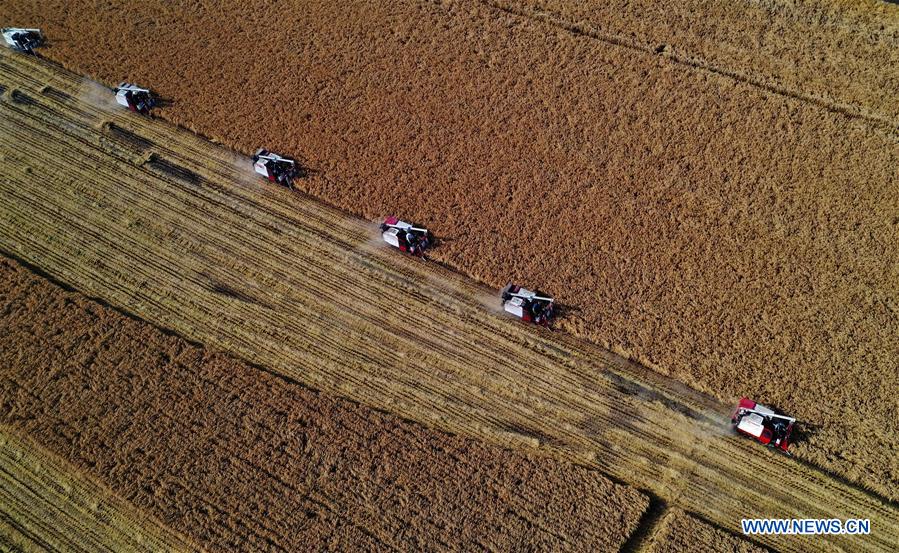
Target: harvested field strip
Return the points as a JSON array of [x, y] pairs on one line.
[[841, 56], [334, 312], [47, 505], [240, 459], [738, 240]]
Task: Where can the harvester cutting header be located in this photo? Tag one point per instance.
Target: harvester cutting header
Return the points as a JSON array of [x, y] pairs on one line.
[[23, 40], [135, 98]]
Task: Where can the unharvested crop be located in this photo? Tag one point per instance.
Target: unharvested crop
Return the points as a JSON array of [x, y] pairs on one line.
[[740, 240], [680, 533], [240, 459], [842, 55]]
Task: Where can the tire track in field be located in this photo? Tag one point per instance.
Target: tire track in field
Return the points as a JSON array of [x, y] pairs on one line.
[[587, 29], [381, 329]]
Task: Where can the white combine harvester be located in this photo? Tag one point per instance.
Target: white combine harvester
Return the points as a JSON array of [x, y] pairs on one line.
[[135, 98], [405, 236], [275, 168], [532, 307], [23, 40]]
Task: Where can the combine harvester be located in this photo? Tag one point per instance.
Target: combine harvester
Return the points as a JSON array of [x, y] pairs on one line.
[[275, 168], [405, 236], [532, 307], [23, 40], [763, 424], [135, 98]]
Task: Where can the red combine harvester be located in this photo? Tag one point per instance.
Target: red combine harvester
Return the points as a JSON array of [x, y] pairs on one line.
[[135, 98], [763, 424], [532, 307], [275, 168], [405, 236]]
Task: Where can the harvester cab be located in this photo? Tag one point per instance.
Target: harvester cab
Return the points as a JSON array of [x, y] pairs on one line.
[[135, 98], [405, 236], [533, 307], [275, 168], [763, 424], [23, 40]]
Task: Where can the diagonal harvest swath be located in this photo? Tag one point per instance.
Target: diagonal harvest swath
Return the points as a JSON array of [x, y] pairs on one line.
[[704, 217], [240, 459], [165, 225]]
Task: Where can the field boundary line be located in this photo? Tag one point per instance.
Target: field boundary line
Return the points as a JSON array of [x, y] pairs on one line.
[[39, 482]]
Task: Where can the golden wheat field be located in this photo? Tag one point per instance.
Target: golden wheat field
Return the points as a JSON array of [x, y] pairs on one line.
[[170, 228], [48, 505], [680, 533], [711, 188]]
